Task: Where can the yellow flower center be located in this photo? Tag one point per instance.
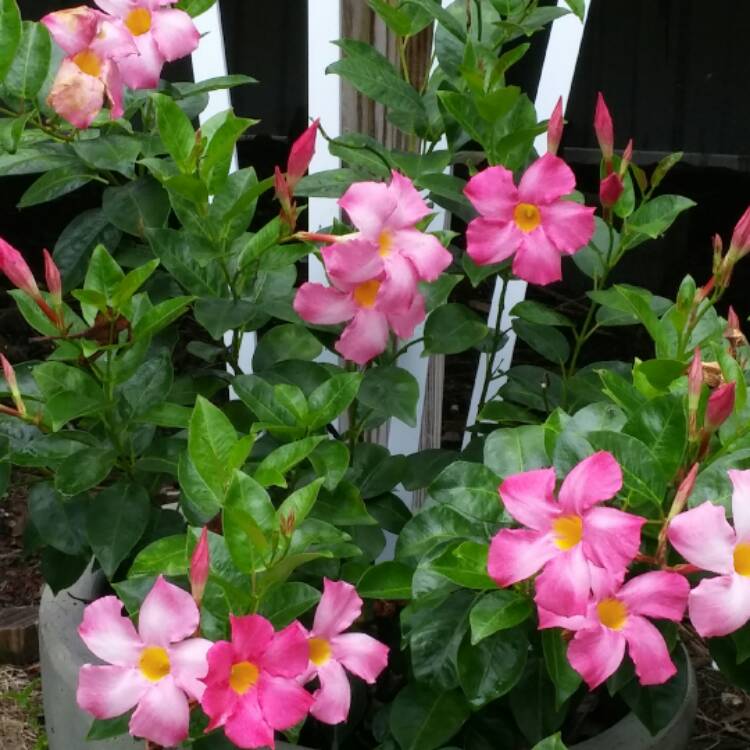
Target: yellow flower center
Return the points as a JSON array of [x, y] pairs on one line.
[[613, 614], [154, 663], [138, 21], [527, 217], [320, 651], [244, 676], [568, 531], [89, 62], [365, 294], [742, 558], [385, 241]]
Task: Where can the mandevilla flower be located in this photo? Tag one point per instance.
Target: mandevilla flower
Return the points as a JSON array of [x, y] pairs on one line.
[[332, 651], [614, 617], [252, 684], [719, 605], [531, 222], [576, 541], [156, 668]]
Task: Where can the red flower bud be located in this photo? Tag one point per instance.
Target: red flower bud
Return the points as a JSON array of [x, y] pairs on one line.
[[301, 155], [741, 236], [52, 276], [10, 379], [555, 127], [720, 406], [17, 270], [610, 190], [627, 157], [604, 129], [199, 567]]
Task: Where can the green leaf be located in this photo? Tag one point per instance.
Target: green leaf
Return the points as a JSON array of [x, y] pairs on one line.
[[511, 451], [208, 84], [579, 8], [280, 460], [436, 293], [30, 65], [565, 678], [544, 340], [403, 21], [54, 184], [387, 580], [58, 523], [105, 729], [260, 397], [210, 442], [234, 204], [465, 563], [423, 467], [390, 392], [218, 316], [330, 183], [470, 489], [199, 501], [10, 34], [286, 341], [116, 519], [332, 398], [117, 153], [447, 20], [374, 470], [84, 470], [159, 317], [452, 329], [663, 167], [330, 459], [217, 156], [423, 718], [137, 206], [498, 610], [298, 505], [284, 604], [554, 742], [176, 131], [656, 216], [343, 506], [390, 511], [166, 556], [536, 312], [532, 702]]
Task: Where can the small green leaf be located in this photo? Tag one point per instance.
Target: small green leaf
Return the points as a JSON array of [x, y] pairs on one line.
[[285, 603], [387, 580], [298, 505], [498, 610], [54, 184], [166, 556], [175, 130]]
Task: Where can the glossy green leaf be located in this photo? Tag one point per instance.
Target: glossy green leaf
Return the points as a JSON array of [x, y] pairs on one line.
[[298, 505], [465, 563], [452, 329], [333, 398], [59, 523], [136, 206], [511, 451], [284, 604], [166, 556], [160, 316], [282, 459], [83, 470], [117, 153], [175, 130], [498, 610], [10, 34], [390, 392], [30, 64], [210, 442], [286, 341], [565, 678], [387, 580], [55, 184]]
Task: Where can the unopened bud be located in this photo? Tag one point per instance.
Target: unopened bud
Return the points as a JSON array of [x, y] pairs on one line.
[[10, 378], [200, 564], [288, 524], [718, 247], [684, 491], [741, 235], [720, 406], [695, 381], [627, 157], [604, 129], [52, 276], [300, 156], [686, 294], [555, 128], [610, 190]]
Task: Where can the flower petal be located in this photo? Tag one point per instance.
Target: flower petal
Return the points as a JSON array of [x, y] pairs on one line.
[[399, 286], [549, 619], [516, 554], [323, 305], [168, 614], [353, 261], [287, 655], [339, 606], [109, 634], [493, 193], [568, 224], [704, 538], [595, 479], [404, 323], [741, 503], [218, 699], [113, 89], [611, 537], [528, 497], [72, 28], [537, 260], [220, 658], [106, 692], [333, 698], [409, 207], [113, 41], [163, 715], [657, 593], [119, 8], [190, 666], [546, 180], [596, 653], [425, 251], [142, 71], [76, 96], [284, 701], [247, 727], [364, 338], [174, 32], [252, 635], [564, 585], [491, 240], [361, 654], [369, 206], [648, 651], [719, 606]]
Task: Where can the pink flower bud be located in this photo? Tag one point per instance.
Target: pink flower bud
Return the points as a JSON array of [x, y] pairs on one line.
[[685, 489], [720, 406], [741, 236], [284, 196], [627, 157], [733, 320], [718, 248], [52, 276], [301, 155], [199, 567], [610, 190], [695, 381], [555, 127], [10, 379], [604, 129], [17, 270]]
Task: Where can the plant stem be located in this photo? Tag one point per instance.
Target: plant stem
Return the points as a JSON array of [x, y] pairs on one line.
[[496, 338]]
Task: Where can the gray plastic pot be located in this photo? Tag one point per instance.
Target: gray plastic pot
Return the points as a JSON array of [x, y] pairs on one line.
[[62, 654]]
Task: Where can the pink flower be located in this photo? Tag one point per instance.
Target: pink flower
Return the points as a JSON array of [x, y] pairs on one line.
[[721, 604], [604, 129], [555, 128], [530, 222], [610, 190], [576, 541], [300, 156], [332, 651], [251, 686], [155, 669], [160, 34], [720, 406], [615, 617], [372, 306], [199, 567]]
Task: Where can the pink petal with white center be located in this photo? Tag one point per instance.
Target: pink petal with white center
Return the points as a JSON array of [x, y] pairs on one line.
[[323, 305], [168, 614], [361, 654], [399, 286], [493, 193], [109, 634], [163, 715], [719, 606], [568, 224], [252, 635], [353, 262], [142, 71], [529, 498], [333, 698], [595, 479], [119, 8], [369, 206], [404, 323], [546, 180], [704, 538], [741, 503], [113, 89], [288, 653], [174, 32], [491, 240], [537, 260], [549, 619], [648, 651], [113, 41], [73, 28], [596, 653], [106, 692], [516, 554], [657, 593], [409, 207], [76, 96], [247, 727], [364, 338], [565, 583], [339, 606], [425, 251], [611, 537], [284, 702], [190, 665]]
